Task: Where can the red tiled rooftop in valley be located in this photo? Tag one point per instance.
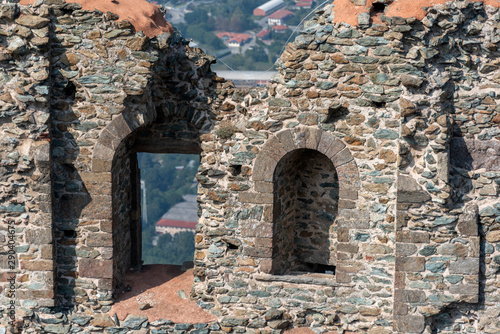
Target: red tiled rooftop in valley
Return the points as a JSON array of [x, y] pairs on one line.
[[346, 11], [263, 33], [143, 15], [232, 35], [280, 14], [280, 27], [176, 223]]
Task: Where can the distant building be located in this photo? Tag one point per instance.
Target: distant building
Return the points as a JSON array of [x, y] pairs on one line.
[[280, 29], [299, 4], [279, 17], [269, 7], [181, 217], [247, 79], [264, 34], [234, 39]]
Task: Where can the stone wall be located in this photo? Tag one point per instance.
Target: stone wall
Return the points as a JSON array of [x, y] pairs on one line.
[[373, 151], [26, 201]]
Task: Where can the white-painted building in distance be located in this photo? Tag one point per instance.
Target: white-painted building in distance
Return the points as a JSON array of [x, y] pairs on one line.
[[269, 7]]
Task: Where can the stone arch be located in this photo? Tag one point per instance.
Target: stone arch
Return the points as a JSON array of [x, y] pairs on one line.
[[123, 125], [125, 135], [109, 140], [288, 140], [277, 147]]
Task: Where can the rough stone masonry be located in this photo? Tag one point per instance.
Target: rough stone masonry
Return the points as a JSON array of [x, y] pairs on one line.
[[358, 192]]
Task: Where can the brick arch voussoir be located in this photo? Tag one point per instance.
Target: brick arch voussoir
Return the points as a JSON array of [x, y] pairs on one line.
[[109, 140], [288, 140]]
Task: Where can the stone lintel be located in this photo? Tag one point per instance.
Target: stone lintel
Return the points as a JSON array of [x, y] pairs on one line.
[[326, 280]]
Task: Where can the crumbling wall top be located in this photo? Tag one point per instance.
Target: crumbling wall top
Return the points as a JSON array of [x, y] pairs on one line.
[[143, 15], [347, 11]]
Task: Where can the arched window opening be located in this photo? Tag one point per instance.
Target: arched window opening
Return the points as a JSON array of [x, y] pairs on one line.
[[306, 194], [154, 195]]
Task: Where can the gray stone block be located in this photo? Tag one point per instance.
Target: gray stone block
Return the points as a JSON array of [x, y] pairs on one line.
[[409, 191], [468, 221], [409, 296], [469, 266], [409, 323]]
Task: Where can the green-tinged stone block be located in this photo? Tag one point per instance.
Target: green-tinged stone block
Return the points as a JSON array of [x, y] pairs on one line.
[[386, 134], [435, 267], [420, 285], [454, 279], [427, 250], [444, 220]]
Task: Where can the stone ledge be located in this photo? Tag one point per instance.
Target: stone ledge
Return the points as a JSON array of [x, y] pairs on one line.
[[302, 278]]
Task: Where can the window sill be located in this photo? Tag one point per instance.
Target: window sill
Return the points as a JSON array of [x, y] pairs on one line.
[[302, 278]]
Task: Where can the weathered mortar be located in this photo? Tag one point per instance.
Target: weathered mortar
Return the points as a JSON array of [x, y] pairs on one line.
[[417, 238]]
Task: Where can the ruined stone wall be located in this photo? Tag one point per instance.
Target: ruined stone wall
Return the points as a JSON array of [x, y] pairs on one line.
[[414, 249], [400, 120], [26, 200], [97, 94]]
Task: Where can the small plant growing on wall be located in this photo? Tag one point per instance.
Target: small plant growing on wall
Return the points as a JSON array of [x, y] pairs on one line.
[[226, 130]]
